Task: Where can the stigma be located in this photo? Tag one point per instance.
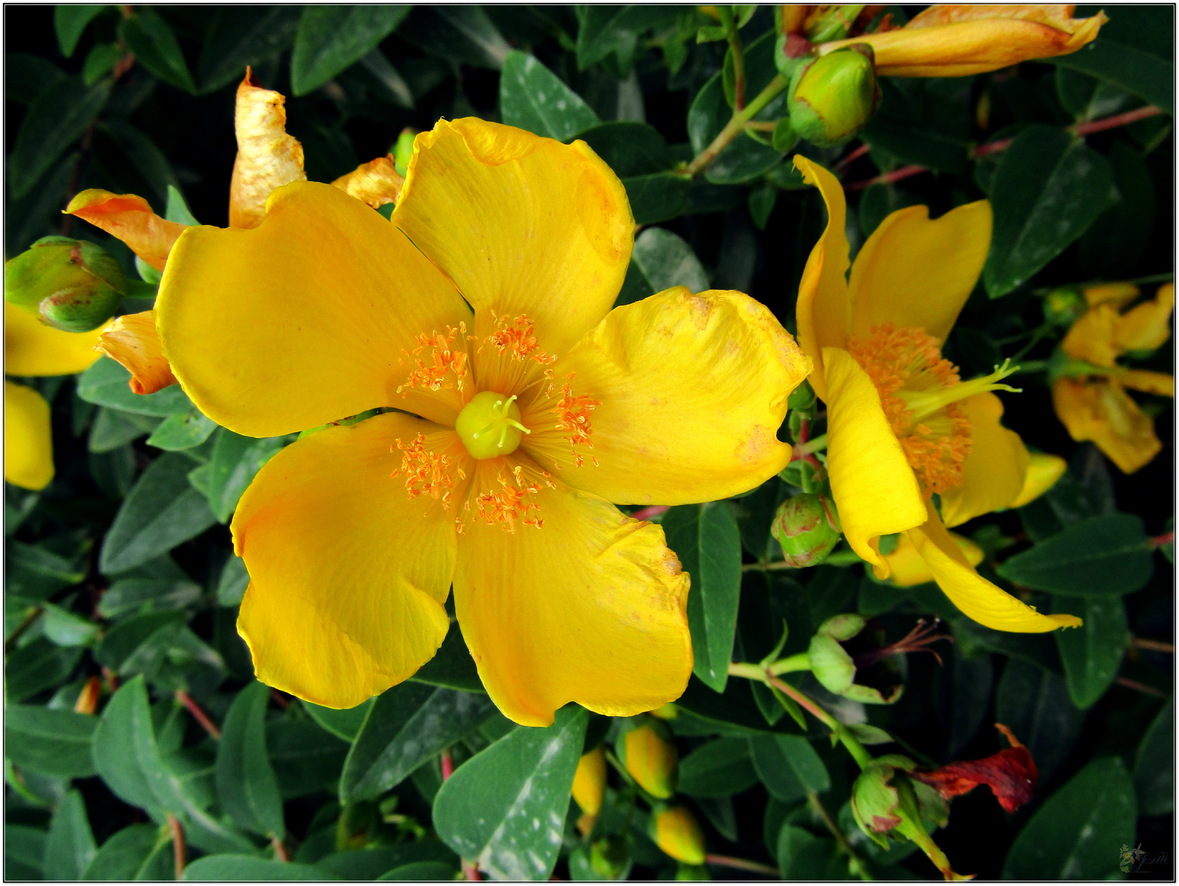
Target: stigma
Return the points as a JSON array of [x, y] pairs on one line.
[[489, 425]]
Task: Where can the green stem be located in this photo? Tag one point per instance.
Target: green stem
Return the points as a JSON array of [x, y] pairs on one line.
[[856, 864], [742, 864], [729, 21], [815, 444], [735, 126]]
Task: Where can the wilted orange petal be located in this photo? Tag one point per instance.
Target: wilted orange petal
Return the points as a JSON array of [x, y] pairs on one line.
[[1091, 337], [376, 182], [1010, 774], [267, 158], [1100, 410], [132, 340], [130, 219]]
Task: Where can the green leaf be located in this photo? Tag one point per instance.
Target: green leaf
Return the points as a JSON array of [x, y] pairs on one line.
[[24, 849], [1076, 834], [132, 594], [69, 22], [629, 148], [246, 784], [161, 511], [241, 36], [788, 766], [408, 725], [100, 61], [69, 845], [532, 97], [346, 723], [451, 666], [1154, 765], [803, 856], [113, 429], [1092, 654], [1035, 705], [49, 740], [182, 431], [1099, 557], [602, 30], [36, 573], [720, 768], [250, 868], [232, 467], [306, 759], [1135, 51], [333, 38], [58, 117], [706, 539], [156, 48], [36, 666], [922, 122], [1047, 190], [658, 197], [138, 852], [106, 383], [665, 260], [505, 807], [383, 861]]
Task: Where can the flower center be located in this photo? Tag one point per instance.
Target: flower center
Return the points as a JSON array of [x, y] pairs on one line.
[[919, 391], [489, 425]]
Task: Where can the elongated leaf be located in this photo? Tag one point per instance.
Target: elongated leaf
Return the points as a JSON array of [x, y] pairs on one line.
[[332, 38], [251, 868], [532, 97], [182, 431], [1099, 557], [803, 856], [37, 665], [105, 383], [306, 759], [346, 723], [1093, 654], [70, 21], [24, 850], [239, 36], [57, 118], [234, 463], [161, 511], [155, 46], [721, 768], [1076, 834], [788, 766], [1047, 190], [667, 260], [49, 740], [459, 34], [406, 726], [1035, 705], [246, 784], [1154, 765], [505, 807], [138, 852], [706, 539], [657, 197], [607, 29], [69, 845], [371, 864]]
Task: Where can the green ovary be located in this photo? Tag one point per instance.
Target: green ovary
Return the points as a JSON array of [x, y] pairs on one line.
[[489, 425]]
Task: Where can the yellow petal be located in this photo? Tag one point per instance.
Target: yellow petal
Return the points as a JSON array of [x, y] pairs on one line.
[[28, 438], [823, 311], [995, 469], [303, 320], [1161, 383], [267, 158], [133, 341], [1099, 410], [32, 348], [348, 575], [984, 602], [691, 390], [917, 272], [589, 781], [522, 224], [590, 607], [1148, 325], [908, 567], [1043, 472], [874, 487], [1120, 294], [376, 182], [130, 219], [1091, 337], [957, 43]]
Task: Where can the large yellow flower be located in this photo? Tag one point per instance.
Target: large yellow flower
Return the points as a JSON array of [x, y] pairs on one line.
[[959, 40], [31, 349], [1092, 402], [523, 407], [902, 426]]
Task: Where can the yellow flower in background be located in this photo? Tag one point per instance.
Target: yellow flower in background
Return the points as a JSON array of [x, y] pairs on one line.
[[959, 40], [523, 406], [1091, 400], [676, 831], [267, 158], [902, 425], [589, 787], [32, 349]]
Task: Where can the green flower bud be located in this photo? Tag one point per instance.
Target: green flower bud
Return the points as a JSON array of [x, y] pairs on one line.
[[649, 756], [836, 669], [72, 284], [834, 96], [807, 528], [610, 857], [676, 831], [403, 149], [1064, 305]]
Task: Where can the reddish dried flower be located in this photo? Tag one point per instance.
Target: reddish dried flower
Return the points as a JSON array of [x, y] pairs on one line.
[[1011, 775]]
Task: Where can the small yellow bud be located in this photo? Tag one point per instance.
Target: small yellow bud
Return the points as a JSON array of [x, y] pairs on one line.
[[589, 783], [650, 758], [676, 831]]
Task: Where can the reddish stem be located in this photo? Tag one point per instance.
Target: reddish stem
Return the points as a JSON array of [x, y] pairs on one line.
[[649, 512], [1167, 538], [1140, 687], [178, 848], [470, 872], [200, 716], [850, 158], [279, 849]]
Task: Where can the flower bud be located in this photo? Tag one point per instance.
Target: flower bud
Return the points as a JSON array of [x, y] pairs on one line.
[[73, 285], [676, 831], [650, 758], [1063, 305], [609, 857], [861, 671], [834, 96], [807, 528], [403, 149], [589, 787]]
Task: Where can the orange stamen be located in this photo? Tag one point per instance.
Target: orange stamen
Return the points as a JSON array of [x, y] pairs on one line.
[[427, 472], [573, 417], [444, 366], [511, 502], [517, 338]]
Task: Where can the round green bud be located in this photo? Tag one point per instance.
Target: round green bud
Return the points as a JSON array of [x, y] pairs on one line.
[[1062, 306], [834, 96], [807, 528], [72, 285]]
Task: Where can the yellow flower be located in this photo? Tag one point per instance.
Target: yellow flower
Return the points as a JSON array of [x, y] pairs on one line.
[[523, 406], [901, 424], [958, 40], [1092, 402], [30, 349], [267, 158]]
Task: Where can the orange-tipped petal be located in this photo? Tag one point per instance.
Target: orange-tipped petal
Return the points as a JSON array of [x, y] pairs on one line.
[[133, 341], [130, 219], [267, 158], [376, 182]]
